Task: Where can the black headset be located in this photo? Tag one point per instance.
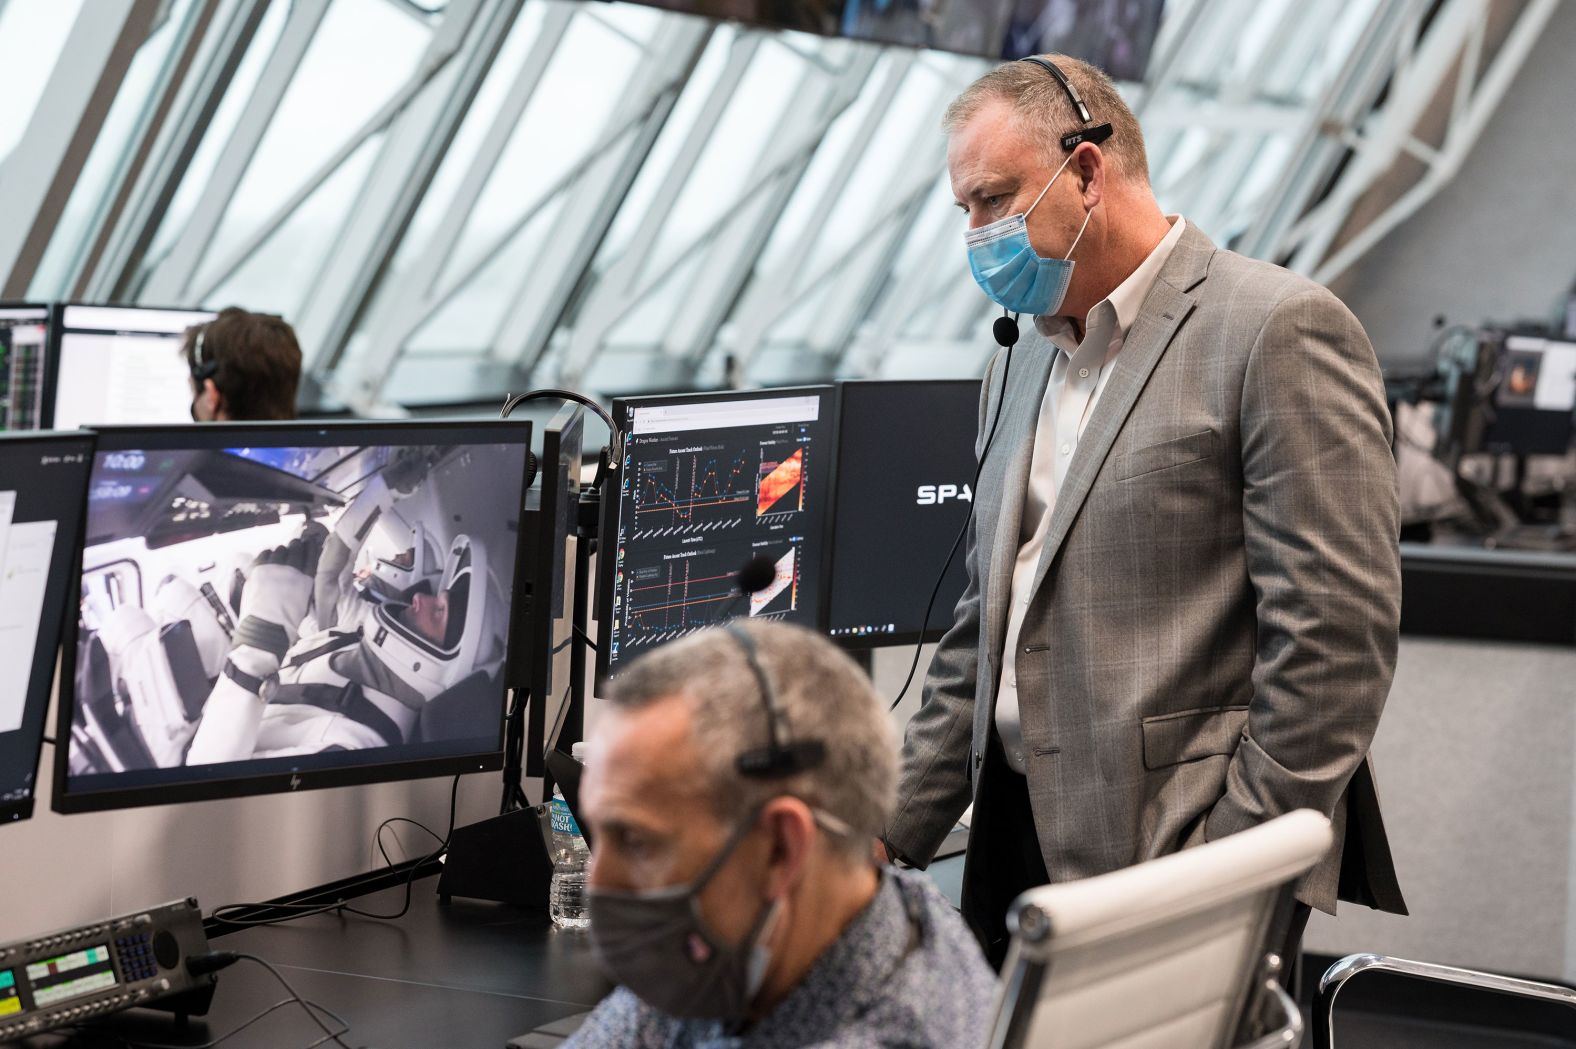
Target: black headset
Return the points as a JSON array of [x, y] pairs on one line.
[[201, 369], [1096, 134], [776, 760]]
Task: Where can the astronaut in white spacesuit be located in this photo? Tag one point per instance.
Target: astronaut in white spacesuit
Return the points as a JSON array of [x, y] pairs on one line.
[[333, 650]]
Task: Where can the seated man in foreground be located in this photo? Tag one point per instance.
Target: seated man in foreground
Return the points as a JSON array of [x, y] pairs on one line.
[[733, 895]]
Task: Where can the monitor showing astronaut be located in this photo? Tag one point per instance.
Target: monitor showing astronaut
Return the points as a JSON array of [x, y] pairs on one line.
[[265, 608]]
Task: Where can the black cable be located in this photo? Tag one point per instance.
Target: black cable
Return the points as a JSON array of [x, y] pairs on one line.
[[307, 910], [226, 1036], [48, 739], [615, 439], [330, 1035], [979, 466], [586, 638], [377, 835]]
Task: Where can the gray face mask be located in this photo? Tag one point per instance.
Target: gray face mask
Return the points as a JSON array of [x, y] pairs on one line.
[[656, 944]]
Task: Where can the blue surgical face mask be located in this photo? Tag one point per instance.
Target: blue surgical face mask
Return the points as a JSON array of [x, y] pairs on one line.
[[1007, 269]]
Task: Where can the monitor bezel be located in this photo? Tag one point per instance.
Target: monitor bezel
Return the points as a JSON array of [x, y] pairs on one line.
[[46, 662], [57, 332], [558, 480], [875, 641], [46, 382], [612, 498], [245, 785]]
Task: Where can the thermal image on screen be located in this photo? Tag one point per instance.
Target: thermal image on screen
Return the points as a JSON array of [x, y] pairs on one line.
[[782, 485], [709, 485]]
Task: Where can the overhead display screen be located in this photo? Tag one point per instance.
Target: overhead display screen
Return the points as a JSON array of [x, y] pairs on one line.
[[1116, 35]]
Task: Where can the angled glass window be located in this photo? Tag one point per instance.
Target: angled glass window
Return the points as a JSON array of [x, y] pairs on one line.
[[361, 55], [32, 35], [123, 127]]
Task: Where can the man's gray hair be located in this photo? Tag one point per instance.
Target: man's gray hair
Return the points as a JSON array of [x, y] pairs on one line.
[[1045, 113], [821, 694]]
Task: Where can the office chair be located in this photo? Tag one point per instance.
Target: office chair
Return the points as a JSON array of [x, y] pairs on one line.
[[1176, 953], [1335, 978]]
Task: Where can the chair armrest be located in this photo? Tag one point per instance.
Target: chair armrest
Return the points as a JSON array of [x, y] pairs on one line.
[[1336, 977]]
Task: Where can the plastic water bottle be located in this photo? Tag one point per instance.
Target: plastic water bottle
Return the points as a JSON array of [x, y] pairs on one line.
[[571, 858]]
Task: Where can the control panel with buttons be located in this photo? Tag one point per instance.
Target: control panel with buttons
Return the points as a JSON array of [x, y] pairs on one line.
[[67, 977]]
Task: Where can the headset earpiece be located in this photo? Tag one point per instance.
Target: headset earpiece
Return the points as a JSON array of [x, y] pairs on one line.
[[1096, 134], [776, 760]]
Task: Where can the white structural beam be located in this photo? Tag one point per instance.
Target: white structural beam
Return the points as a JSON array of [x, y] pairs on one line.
[[594, 197], [443, 48], [1474, 101], [618, 286], [170, 278], [198, 83], [732, 252], [770, 289], [37, 177], [1348, 98], [401, 173], [412, 300]]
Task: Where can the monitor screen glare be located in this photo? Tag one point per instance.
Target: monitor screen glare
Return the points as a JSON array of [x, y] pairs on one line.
[[898, 513], [122, 365]]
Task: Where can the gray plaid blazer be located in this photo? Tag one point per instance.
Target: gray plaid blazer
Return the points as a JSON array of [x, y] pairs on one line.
[[1212, 628]]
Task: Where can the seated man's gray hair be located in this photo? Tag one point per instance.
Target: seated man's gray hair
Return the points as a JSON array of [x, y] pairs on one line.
[[820, 693]]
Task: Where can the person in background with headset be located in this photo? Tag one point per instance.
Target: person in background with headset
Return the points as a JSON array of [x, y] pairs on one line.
[[1184, 579], [244, 366], [732, 893]]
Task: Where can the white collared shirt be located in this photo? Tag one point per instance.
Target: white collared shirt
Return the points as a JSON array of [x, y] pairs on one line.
[[1078, 376]]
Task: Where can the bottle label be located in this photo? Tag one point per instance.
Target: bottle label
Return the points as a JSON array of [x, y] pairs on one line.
[[563, 819]]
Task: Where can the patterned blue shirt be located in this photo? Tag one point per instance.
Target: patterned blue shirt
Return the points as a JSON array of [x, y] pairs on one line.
[[905, 974]]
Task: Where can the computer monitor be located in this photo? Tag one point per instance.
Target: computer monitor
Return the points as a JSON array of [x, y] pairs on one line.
[[708, 483], [1534, 403], [272, 607], [43, 489], [115, 365], [24, 330], [905, 468]]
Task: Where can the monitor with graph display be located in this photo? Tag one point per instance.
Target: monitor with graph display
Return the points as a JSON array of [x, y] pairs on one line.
[[23, 333], [708, 483]]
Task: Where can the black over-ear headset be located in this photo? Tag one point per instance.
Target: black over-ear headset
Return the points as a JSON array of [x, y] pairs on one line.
[[201, 369], [776, 760], [1096, 134]]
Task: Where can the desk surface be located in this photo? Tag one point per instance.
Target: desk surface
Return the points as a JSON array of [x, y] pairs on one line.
[[454, 976]]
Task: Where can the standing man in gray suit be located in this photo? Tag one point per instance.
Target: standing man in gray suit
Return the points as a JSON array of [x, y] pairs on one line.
[[1184, 580]]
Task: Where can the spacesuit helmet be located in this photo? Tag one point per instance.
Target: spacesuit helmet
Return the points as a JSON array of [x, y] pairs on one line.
[[473, 635], [401, 559]]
